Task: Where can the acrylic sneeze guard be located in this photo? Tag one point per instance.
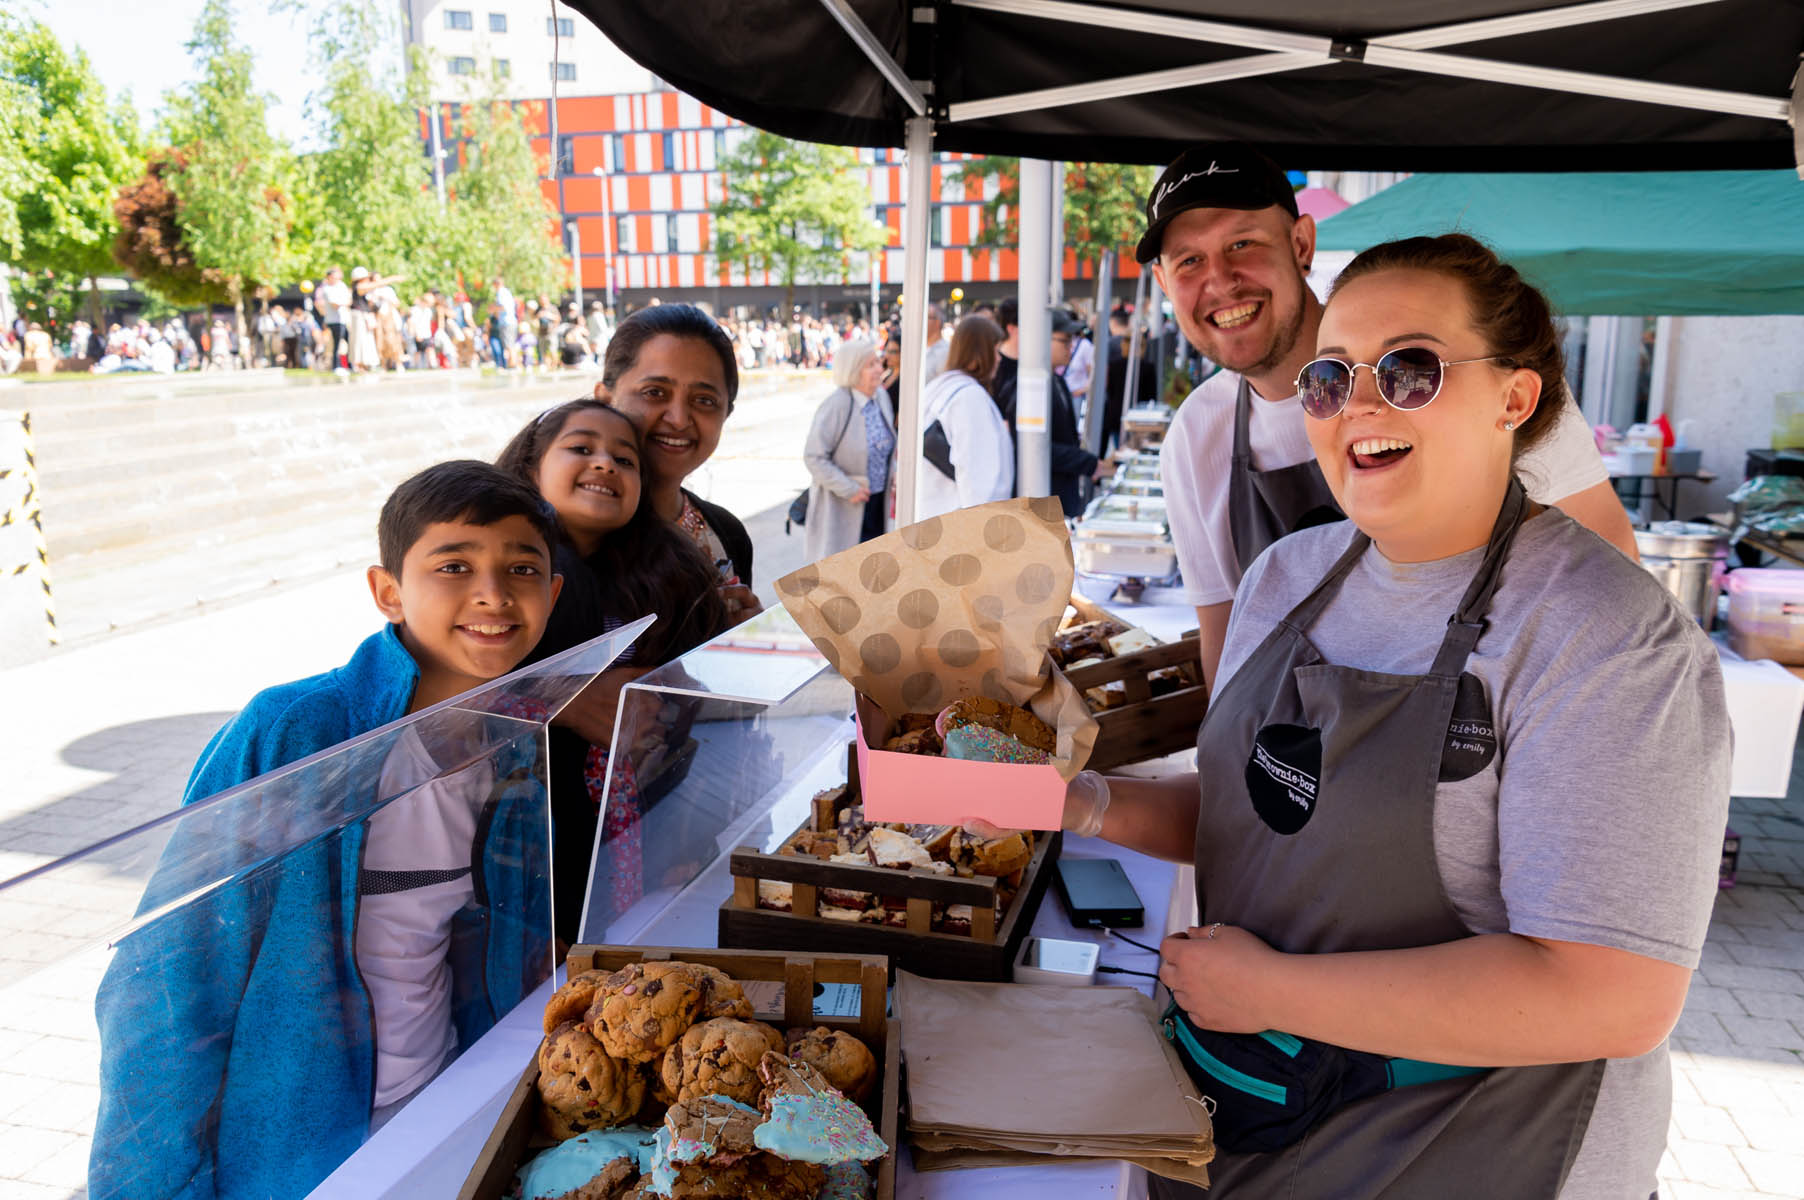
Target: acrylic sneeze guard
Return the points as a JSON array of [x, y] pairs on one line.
[[165, 989]]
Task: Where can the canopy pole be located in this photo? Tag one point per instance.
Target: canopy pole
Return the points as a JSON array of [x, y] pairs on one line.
[[1095, 435], [1797, 117], [879, 55], [1033, 440], [1155, 328], [916, 215], [1055, 283], [1130, 380]]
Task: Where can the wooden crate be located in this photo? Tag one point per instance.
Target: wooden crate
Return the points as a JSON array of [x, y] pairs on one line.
[[1147, 726], [987, 953], [510, 1144]]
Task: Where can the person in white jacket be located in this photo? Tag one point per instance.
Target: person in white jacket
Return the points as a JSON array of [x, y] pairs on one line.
[[982, 455]]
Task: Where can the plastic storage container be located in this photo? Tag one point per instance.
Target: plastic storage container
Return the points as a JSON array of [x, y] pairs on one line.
[[1766, 614]]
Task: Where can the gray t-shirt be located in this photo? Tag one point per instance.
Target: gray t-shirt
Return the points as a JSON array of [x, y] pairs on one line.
[[1601, 818]]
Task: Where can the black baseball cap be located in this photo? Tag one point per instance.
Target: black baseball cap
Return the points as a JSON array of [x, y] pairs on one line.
[[1216, 175]]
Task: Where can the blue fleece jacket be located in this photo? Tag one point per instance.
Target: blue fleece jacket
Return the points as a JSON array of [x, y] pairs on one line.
[[237, 1038]]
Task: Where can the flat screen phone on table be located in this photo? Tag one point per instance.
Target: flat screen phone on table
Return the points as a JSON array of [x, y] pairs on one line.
[[1097, 892]]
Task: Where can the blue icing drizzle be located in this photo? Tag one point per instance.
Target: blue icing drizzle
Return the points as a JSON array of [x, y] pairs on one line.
[[846, 1181], [690, 1149], [825, 1129], [566, 1167], [661, 1173]]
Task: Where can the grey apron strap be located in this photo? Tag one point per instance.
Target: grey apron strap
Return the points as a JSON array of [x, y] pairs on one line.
[[1467, 624]]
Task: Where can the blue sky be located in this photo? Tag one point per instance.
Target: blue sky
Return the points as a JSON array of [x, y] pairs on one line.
[[141, 45]]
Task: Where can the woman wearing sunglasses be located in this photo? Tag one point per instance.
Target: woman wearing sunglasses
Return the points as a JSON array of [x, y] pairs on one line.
[[1460, 791]]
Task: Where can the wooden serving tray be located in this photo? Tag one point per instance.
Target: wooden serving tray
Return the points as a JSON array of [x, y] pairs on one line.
[[987, 953], [1147, 726], [510, 1144]]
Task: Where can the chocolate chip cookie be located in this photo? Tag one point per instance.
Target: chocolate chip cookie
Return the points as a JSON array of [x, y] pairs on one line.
[[583, 1087], [846, 1062], [719, 1058]]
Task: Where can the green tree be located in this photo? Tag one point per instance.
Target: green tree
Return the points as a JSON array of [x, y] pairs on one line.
[[71, 148], [366, 197], [235, 214], [799, 209], [1105, 204], [498, 219]]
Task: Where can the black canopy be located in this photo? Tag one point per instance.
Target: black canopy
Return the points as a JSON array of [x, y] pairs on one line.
[[1366, 84]]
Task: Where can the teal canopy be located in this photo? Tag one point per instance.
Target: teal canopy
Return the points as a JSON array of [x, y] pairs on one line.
[[1659, 243]]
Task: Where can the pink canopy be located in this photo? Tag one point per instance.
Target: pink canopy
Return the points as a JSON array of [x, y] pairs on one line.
[[1320, 203]]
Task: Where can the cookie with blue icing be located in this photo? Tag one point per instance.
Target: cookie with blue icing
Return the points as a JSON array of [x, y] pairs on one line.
[[601, 1165], [847, 1181], [807, 1120]]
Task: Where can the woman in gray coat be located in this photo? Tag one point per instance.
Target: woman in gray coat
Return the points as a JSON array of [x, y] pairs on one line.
[[851, 454]]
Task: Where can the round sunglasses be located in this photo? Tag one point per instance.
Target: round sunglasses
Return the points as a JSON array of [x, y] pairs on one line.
[[1407, 378]]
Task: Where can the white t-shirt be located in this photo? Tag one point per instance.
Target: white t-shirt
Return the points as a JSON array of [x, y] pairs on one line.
[[1199, 448], [417, 859], [982, 452], [1082, 366], [334, 301]]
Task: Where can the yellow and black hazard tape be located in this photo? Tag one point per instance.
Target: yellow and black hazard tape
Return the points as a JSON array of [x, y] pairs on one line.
[[28, 509]]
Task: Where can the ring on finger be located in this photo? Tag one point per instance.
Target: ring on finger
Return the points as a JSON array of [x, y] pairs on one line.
[[1212, 929]]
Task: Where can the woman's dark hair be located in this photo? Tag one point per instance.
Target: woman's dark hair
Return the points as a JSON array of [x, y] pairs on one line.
[[1510, 314], [676, 320], [973, 348], [645, 566]]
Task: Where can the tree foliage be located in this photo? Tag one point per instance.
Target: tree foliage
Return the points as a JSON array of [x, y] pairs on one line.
[[367, 196], [499, 221], [233, 208], [64, 153], [1105, 204], [797, 209], [152, 242]]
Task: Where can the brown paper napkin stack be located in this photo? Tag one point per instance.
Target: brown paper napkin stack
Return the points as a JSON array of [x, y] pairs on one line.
[[1003, 1073]]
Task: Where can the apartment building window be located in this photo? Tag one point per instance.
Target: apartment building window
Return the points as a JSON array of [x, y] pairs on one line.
[[670, 232], [670, 152], [936, 233], [623, 236], [617, 151], [461, 64], [459, 18], [720, 144], [564, 71], [504, 68], [566, 154], [560, 27], [497, 22]]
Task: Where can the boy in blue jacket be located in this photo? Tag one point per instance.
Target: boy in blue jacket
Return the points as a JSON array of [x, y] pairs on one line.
[[254, 1036]]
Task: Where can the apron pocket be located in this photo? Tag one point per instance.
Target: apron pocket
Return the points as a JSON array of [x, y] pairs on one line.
[[1271, 1088]]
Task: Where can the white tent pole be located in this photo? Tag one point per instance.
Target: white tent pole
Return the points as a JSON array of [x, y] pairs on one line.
[[1055, 281], [1134, 85], [1033, 439], [1131, 377], [879, 55], [916, 214], [1095, 436]]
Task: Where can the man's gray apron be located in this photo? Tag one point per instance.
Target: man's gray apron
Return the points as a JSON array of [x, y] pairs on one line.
[[1317, 834], [1263, 506]]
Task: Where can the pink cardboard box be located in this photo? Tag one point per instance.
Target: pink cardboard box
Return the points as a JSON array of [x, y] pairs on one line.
[[922, 789]]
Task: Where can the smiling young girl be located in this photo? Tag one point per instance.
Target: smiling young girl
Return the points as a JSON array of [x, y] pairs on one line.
[[620, 561]]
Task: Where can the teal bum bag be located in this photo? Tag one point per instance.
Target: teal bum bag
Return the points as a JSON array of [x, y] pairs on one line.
[[1271, 1088]]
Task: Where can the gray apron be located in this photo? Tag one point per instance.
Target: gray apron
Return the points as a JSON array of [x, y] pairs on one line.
[[1263, 506], [1317, 834]]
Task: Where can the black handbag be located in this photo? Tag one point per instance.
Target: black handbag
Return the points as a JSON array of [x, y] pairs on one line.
[[938, 451], [798, 508]]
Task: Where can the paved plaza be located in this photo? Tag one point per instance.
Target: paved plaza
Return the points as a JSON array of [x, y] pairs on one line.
[[100, 737]]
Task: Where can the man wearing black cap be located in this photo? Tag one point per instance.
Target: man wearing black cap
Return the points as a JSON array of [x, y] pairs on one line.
[[1070, 461], [1228, 246]]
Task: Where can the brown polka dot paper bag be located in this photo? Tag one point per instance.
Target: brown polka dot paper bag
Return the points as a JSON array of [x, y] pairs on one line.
[[957, 605]]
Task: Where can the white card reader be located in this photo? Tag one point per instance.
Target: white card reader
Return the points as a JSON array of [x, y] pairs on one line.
[[1057, 961]]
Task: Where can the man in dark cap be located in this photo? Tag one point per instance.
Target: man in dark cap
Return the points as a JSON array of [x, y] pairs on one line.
[[1226, 242], [1070, 461]]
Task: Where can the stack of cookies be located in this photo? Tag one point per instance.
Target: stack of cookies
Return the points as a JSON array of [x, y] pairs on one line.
[[656, 1081]]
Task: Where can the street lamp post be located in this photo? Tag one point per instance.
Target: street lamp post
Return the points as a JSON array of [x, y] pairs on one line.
[[576, 256], [607, 221]]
